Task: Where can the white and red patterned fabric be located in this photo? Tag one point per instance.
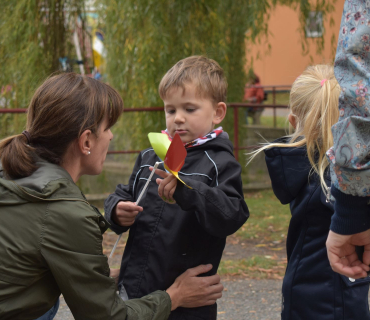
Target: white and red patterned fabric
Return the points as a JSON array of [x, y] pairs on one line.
[[199, 141]]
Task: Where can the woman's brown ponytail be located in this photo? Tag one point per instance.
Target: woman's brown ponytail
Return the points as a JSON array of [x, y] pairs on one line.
[[18, 155]]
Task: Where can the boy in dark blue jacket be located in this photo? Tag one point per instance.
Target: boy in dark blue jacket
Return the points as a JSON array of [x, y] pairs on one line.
[[180, 227], [299, 174]]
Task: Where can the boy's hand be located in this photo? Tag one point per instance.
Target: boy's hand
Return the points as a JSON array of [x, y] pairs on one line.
[[166, 186], [125, 213]]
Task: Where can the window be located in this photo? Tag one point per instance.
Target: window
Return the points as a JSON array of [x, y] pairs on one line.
[[314, 25]]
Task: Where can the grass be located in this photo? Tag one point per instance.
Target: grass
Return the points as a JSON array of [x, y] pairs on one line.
[[268, 220], [268, 121], [256, 267], [281, 98]]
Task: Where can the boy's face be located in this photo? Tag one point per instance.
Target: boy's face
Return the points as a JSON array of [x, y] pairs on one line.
[[190, 115]]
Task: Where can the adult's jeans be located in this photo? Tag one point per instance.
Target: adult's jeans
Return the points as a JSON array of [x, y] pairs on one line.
[[51, 313]]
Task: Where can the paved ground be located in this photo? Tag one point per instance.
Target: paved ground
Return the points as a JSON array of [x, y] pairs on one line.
[[250, 300], [242, 299]]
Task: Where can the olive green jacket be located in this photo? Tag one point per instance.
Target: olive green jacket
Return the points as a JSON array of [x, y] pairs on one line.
[[51, 243]]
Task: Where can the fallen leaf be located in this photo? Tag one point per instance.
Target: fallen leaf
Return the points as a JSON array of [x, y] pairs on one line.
[[230, 253]]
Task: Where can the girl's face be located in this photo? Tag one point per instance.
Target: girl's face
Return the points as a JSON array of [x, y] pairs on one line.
[[292, 120]]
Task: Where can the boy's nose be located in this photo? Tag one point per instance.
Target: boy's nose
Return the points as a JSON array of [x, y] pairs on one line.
[[179, 118]]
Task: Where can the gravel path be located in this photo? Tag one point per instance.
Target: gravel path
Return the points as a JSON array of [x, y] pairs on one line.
[[242, 299], [250, 299]]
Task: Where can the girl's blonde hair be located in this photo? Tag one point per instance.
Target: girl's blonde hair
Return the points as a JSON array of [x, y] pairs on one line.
[[314, 105]]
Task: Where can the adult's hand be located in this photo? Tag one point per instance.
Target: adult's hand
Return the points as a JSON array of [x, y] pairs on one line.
[[342, 253], [191, 291], [114, 274], [125, 213]]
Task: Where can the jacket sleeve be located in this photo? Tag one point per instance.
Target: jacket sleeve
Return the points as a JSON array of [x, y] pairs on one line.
[[349, 156], [122, 193], [221, 210], [71, 245]]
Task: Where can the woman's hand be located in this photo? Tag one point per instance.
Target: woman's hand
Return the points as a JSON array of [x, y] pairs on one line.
[[114, 274], [342, 253], [191, 291], [166, 186]]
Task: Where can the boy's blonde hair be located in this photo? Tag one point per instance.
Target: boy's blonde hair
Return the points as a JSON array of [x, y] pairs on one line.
[[206, 74], [314, 104]]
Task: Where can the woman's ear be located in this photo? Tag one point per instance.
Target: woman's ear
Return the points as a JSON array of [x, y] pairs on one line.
[[292, 120], [84, 142], [220, 112]]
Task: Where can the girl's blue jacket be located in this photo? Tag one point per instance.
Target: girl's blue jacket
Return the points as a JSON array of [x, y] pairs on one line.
[[311, 290]]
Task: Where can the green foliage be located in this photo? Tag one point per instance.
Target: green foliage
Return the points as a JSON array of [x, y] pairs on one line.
[[34, 35], [11, 124], [144, 38]]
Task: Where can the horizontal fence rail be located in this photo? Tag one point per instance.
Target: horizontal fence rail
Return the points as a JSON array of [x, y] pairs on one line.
[[234, 105]]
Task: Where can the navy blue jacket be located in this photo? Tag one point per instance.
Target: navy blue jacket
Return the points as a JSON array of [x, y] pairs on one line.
[[167, 239], [311, 290]]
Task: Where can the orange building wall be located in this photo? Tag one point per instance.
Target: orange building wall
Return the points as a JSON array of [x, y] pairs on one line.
[[285, 62]]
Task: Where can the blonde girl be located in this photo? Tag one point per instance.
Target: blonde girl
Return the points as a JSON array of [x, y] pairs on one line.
[[298, 169]]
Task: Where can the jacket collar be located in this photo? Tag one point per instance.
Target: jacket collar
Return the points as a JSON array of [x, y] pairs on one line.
[[45, 173], [46, 182]]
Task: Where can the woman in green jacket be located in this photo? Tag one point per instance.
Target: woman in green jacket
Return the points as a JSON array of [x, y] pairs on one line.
[[51, 237]]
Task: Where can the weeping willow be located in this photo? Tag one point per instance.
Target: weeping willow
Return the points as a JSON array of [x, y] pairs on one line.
[[144, 38], [34, 35]]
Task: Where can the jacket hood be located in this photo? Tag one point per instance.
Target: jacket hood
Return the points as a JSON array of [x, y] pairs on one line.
[[220, 143], [41, 185], [289, 169]]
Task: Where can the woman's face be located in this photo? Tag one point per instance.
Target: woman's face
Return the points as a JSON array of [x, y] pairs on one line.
[[98, 150]]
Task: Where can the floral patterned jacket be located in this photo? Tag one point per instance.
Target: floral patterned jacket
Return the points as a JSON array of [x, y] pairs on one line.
[[350, 155]]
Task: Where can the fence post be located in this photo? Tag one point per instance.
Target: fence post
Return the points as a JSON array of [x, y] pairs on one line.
[[236, 133], [274, 103]]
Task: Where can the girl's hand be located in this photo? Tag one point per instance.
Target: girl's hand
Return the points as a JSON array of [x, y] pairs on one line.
[[166, 186], [191, 291]]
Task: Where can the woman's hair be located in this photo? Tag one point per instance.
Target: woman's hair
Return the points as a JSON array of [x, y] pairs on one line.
[[314, 105], [61, 109]]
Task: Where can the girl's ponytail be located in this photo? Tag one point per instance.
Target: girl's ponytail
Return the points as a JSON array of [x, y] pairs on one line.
[[314, 104], [17, 157]]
